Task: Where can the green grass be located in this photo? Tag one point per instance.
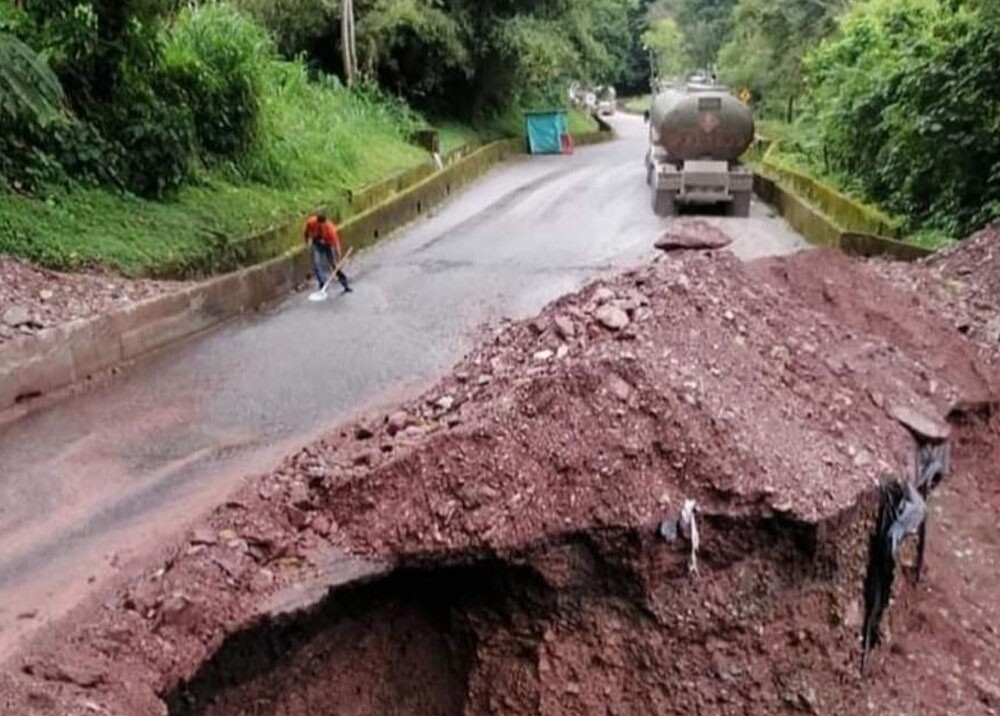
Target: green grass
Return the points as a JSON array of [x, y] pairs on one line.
[[638, 105], [321, 142], [453, 135], [580, 122]]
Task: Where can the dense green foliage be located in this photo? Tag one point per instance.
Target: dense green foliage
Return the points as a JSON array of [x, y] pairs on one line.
[[905, 98], [666, 41], [211, 119], [705, 25], [157, 90], [147, 133], [768, 41], [472, 58], [894, 101]]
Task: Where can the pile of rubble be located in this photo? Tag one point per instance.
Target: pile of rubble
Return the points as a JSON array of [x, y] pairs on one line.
[[32, 298], [678, 466]]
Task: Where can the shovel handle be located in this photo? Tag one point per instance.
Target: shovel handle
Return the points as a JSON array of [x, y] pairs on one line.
[[336, 269]]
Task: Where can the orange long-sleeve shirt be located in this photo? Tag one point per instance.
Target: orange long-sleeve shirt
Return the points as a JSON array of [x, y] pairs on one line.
[[327, 233]]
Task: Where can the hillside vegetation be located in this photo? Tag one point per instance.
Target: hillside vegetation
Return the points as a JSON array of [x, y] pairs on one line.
[[896, 102], [139, 134]]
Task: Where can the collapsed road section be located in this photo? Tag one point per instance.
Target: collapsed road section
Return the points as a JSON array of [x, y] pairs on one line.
[[659, 496]]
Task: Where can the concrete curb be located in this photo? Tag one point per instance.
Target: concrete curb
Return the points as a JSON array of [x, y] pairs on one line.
[[59, 357], [819, 229]]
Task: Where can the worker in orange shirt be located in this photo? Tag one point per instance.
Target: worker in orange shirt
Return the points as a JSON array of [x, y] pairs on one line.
[[324, 245]]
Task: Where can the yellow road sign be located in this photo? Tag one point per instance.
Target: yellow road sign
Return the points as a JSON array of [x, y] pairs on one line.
[[745, 96]]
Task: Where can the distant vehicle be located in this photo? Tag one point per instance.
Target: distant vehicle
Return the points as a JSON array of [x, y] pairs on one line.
[[607, 101], [697, 133]]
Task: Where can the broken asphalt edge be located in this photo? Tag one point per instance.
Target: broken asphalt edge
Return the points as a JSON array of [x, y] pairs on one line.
[[38, 365]]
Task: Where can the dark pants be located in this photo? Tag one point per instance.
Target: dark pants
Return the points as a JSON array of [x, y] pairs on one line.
[[324, 257]]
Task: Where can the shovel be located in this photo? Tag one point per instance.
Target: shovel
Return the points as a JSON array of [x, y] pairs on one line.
[[321, 295]]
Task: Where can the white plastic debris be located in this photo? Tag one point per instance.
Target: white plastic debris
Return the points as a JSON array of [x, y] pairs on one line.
[[690, 528]]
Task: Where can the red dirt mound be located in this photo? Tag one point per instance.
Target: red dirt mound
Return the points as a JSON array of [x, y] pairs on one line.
[[855, 295], [523, 496]]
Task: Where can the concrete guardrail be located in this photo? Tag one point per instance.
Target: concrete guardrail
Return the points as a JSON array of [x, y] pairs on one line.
[[820, 229]]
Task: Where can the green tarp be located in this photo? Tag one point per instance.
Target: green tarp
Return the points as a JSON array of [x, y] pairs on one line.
[[545, 131]]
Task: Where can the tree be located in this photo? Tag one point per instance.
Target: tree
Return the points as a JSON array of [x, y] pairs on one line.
[[27, 85], [764, 51], [666, 40], [905, 100], [348, 41]]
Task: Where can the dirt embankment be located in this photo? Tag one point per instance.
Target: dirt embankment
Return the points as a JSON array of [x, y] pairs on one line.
[[32, 298], [515, 537], [962, 285]]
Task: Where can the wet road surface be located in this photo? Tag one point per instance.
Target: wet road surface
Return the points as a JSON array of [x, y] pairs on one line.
[[107, 476]]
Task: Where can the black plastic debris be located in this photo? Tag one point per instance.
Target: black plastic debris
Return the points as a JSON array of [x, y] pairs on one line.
[[902, 513], [911, 513], [881, 572]]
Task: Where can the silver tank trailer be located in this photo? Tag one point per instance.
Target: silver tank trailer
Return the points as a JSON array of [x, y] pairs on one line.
[[696, 137]]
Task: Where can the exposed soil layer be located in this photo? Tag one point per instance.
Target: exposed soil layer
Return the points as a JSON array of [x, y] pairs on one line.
[[32, 298], [505, 525], [603, 622]]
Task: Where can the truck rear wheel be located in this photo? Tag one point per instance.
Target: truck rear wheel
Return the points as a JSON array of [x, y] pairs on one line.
[[664, 203], [740, 205]]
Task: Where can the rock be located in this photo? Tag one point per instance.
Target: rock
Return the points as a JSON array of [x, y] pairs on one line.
[[176, 611], [565, 328], [363, 432], [445, 403], [413, 432], [17, 316], [692, 235], [321, 525], [807, 700], [668, 530], [143, 598], [297, 518], [300, 496], [992, 331], [619, 388], [543, 355], [562, 352], [46, 294], [262, 580], [233, 565], [611, 317], [364, 459], [227, 535], [603, 295], [921, 424], [204, 536], [398, 421], [66, 673]]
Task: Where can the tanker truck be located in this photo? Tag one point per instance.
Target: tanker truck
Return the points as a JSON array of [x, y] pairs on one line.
[[696, 136]]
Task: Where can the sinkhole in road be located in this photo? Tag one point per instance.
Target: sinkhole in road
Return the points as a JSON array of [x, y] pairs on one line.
[[605, 621]]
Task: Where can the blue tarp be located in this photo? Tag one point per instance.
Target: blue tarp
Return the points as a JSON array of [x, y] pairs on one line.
[[545, 131]]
